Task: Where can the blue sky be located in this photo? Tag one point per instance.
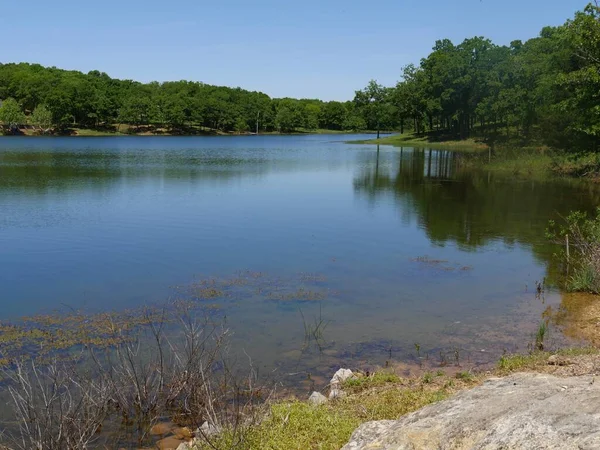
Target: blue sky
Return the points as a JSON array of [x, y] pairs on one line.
[[316, 48]]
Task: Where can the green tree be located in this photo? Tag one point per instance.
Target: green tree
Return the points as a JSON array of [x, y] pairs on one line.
[[11, 114], [42, 118], [373, 102]]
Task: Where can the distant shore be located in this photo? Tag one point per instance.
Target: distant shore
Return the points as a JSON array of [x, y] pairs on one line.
[[153, 131]]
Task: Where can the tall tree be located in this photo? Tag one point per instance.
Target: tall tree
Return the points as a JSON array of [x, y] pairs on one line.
[[373, 102]]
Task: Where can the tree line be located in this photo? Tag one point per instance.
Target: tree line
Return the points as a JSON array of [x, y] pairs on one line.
[[51, 97], [546, 89]]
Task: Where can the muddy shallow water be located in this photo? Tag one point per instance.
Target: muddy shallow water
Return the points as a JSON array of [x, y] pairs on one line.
[[396, 255]]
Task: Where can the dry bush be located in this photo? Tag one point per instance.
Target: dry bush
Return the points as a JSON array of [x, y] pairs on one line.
[[176, 365], [56, 406]]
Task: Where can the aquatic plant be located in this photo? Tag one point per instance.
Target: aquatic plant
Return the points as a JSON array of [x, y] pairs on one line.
[[540, 335], [314, 331]]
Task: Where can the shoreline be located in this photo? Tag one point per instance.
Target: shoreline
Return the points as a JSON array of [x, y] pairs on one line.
[[516, 160], [76, 132]]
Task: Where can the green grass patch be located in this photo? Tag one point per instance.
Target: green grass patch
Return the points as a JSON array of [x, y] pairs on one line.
[[428, 140], [90, 132], [375, 379], [465, 376], [299, 425], [584, 279]]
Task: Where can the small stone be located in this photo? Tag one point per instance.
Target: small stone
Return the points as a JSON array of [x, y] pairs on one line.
[[336, 392], [316, 398], [160, 429]]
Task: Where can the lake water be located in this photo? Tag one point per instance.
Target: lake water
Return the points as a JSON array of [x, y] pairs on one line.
[[389, 248]]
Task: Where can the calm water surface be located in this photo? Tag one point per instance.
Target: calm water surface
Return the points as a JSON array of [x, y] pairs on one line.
[[401, 245]]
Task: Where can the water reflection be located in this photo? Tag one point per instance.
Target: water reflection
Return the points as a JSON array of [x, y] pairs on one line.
[[470, 208]]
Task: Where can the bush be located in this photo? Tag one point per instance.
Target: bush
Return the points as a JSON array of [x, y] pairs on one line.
[[580, 236]]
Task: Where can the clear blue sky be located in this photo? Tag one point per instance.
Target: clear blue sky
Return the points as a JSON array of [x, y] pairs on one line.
[[316, 48]]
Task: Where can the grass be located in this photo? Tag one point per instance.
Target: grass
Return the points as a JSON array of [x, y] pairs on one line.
[[90, 132], [299, 425], [538, 359], [427, 140], [541, 335], [584, 279]]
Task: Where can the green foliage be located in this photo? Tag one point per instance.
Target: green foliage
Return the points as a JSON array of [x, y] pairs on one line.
[[465, 376], [579, 236], [41, 117], [11, 114], [544, 89], [585, 279], [375, 106], [380, 378], [540, 335], [94, 100], [299, 425]]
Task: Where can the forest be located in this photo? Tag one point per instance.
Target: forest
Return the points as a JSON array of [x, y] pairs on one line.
[[545, 90]]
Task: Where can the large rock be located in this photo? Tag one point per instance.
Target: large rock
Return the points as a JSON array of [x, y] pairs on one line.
[[523, 411]]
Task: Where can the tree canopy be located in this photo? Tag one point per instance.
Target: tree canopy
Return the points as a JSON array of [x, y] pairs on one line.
[[94, 100], [547, 87]]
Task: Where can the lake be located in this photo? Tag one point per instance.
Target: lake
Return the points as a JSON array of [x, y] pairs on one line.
[[390, 249]]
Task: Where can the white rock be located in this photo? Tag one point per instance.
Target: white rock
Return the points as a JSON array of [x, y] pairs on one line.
[[207, 430], [341, 375], [316, 398], [335, 390], [523, 411]]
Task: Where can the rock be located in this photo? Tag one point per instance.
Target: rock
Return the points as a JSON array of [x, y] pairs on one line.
[[207, 429], [184, 446], [316, 398], [523, 411], [169, 443], [160, 429], [335, 390], [556, 360], [341, 375], [183, 433]]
